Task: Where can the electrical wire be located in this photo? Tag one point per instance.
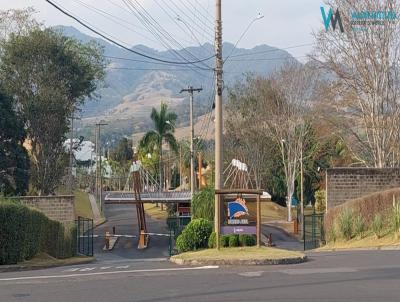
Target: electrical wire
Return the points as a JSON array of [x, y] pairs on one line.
[[122, 46]]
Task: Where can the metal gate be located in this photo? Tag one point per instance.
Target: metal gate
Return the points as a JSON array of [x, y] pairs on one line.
[[314, 234], [84, 230], [175, 227]]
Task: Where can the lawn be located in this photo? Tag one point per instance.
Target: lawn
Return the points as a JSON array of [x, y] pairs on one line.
[[155, 212], [368, 241], [82, 204], [240, 253]]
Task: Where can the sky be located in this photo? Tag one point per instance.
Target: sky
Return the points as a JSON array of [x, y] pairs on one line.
[[286, 23]]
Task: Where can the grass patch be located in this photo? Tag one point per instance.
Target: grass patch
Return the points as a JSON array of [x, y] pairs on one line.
[[45, 260], [155, 212], [273, 211], [82, 205], [369, 241], [240, 253]]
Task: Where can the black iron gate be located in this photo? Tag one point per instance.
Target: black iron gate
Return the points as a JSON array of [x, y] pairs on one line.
[[175, 227], [84, 228], [314, 234]]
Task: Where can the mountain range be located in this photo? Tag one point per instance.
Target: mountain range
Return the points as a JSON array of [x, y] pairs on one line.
[[133, 84]]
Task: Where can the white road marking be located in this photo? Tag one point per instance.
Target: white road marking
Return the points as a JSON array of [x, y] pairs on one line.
[[123, 266], [105, 267], [72, 269], [112, 273], [88, 269], [307, 271], [251, 274]]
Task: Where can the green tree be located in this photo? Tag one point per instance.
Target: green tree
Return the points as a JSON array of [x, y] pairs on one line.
[[203, 204], [14, 160], [163, 132], [49, 75]]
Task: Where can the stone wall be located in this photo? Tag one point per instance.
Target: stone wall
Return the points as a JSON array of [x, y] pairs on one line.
[[60, 208], [343, 184]]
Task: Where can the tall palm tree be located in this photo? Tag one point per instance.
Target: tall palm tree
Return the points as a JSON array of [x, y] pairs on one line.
[[163, 132]]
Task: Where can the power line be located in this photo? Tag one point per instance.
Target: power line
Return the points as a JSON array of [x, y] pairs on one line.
[[119, 44], [272, 50]]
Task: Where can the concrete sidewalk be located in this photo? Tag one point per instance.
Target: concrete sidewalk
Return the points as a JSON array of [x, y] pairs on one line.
[[95, 209]]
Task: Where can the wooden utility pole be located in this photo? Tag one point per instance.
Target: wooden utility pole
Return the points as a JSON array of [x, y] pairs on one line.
[[99, 175], [218, 114], [200, 166], [71, 160], [190, 90]]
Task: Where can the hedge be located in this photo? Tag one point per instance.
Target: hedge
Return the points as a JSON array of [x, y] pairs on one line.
[[25, 232], [367, 207]]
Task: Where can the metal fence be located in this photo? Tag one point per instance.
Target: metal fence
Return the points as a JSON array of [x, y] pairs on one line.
[[175, 227], [314, 233], [84, 230]]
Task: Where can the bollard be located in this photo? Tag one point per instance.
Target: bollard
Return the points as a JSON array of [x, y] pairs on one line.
[[270, 240], [113, 230], [107, 240]]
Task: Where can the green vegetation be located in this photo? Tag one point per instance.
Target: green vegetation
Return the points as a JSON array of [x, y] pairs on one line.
[[377, 225], [82, 204], [49, 75], [345, 223], [240, 253], [194, 236], [232, 240], [14, 160], [26, 232], [202, 205], [163, 132], [359, 226], [320, 202]]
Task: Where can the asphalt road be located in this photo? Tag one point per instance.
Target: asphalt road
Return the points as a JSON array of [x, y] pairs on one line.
[[346, 276], [123, 217]]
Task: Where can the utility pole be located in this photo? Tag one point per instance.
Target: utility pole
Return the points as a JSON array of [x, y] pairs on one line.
[[71, 161], [99, 176], [301, 191], [192, 175], [200, 166], [218, 113]]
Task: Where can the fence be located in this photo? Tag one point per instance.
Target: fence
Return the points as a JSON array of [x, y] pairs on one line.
[[84, 228], [175, 227], [314, 234]]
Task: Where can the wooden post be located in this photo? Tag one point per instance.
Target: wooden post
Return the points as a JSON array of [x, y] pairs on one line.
[[258, 221], [200, 166]]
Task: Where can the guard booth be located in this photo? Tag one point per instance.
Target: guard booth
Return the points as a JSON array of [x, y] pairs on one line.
[[238, 211]]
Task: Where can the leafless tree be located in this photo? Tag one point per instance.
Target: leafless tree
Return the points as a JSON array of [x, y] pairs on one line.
[[285, 116], [364, 61]]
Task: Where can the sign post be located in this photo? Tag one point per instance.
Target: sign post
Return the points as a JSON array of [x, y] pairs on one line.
[[241, 213]]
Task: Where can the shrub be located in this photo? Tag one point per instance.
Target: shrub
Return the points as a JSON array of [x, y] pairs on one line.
[[224, 240], [212, 240], [25, 232], [345, 223], [247, 240], [194, 236], [359, 226], [395, 217], [332, 233], [233, 240], [320, 202], [202, 205], [377, 225]]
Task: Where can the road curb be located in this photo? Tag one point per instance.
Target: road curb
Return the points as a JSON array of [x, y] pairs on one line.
[[22, 267], [236, 262], [372, 248]]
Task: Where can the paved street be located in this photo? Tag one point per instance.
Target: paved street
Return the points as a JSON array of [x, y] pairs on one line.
[[123, 217], [127, 274], [342, 276]]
